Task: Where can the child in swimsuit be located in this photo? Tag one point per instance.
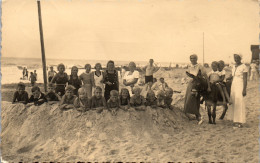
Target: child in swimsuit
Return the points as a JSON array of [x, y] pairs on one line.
[[74, 79], [98, 102], [88, 80], [137, 100], [82, 103], [32, 78], [60, 79], [113, 102], [160, 99], [67, 100], [124, 99], [168, 98], [151, 99], [20, 95], [98, 76]]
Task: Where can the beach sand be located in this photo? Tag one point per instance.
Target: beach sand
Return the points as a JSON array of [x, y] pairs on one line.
[[44, 134]]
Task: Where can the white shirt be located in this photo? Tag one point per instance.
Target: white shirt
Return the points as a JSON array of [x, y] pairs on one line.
[[213, 76], [130, 78]]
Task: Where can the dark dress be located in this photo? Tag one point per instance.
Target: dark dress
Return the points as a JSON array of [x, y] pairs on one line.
[[113, 78], [76, 83], [21, 97], [60, 83]]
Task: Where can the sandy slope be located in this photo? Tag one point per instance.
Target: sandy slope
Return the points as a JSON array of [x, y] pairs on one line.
[[43, 133]]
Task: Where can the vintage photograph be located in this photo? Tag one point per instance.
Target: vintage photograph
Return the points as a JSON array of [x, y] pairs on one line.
[[130, 81]]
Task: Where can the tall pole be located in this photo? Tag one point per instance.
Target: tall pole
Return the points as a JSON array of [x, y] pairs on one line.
[[203, 48], [42, 46]]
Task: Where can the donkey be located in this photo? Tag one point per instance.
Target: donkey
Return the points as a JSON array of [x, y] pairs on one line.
[[199, 88]]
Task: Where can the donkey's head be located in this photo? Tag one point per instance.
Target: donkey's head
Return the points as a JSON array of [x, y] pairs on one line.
[[199, 84]]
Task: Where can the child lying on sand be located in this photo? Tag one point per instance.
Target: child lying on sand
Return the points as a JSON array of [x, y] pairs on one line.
[[20, 95], [37, 96], [151, 99], [168, 98], [82, 103], [98, 102], [68, 99], [124, 99], [137, 101], [51, 96], [113, 102], [160, 99]]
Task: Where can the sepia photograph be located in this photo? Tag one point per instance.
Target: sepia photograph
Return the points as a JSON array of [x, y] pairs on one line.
[[129, 81]]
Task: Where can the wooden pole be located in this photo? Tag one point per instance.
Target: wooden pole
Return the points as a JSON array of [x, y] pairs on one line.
[[203, 48], [42, 46]]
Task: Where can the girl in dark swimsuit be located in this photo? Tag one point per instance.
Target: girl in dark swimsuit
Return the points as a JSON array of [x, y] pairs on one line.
[[74, 79], [60, 79]]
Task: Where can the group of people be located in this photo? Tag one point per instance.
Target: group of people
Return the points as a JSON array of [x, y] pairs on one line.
[[216, 82], [32, 78], [100, 89]]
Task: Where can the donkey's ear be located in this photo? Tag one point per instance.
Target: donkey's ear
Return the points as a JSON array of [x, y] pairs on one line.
[[190, 75]]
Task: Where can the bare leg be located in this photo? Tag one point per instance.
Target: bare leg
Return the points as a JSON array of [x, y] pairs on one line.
[[221, 92], [227, 96]]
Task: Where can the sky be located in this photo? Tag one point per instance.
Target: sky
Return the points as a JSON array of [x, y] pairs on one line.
[[137, 30]]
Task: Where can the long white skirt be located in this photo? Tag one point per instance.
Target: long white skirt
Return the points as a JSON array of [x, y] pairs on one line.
[[237, 111]]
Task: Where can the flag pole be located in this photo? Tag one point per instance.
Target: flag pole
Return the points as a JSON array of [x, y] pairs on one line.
[[42, 46], [203, 48]]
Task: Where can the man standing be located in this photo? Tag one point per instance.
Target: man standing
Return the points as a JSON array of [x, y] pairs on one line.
[[150, 69]]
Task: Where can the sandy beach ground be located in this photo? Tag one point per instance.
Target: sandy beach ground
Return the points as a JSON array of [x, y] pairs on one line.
[[44, 134]]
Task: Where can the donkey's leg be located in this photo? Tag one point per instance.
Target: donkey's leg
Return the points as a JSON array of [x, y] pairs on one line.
[[224, 112], [209, 114], [214, 113]]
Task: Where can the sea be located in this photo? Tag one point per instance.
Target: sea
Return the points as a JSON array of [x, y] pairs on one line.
[[11, 68]]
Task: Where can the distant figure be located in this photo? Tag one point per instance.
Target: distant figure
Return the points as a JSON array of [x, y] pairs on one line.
[[51, 74], [25, 74], [32, 78], [20, 95], [150, 69], [253, 70], [37, 97], [88, 80], [35, 74], [123, 70]]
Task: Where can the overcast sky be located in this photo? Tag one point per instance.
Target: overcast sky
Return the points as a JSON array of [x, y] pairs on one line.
[[166, 30]]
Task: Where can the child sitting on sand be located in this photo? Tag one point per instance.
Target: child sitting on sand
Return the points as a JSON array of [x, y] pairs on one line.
[[98, 101], [137, 100], [51, 96], [88, 80], [32, 78], [20, 95], [37, 96], [67, 100], [124, 99], [168, 98], [74, 79], [159, 86], [113, 102], [82, 103], [222, 80], [214, 78], [160, 99], [151, 99]]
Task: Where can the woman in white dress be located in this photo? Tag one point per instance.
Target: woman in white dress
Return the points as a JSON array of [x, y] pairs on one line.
[[98, 77], [237, 111], [131, 77]]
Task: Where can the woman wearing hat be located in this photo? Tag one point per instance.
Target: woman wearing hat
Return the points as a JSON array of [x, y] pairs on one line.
[[60, 80], [237, 111], [191, 103]]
